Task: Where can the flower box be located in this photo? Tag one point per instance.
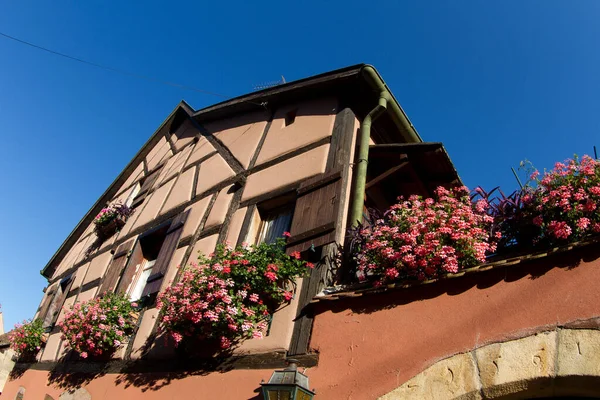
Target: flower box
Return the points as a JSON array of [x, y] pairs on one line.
[[229, 296], [110, 228], [98, 327], [110, 219]]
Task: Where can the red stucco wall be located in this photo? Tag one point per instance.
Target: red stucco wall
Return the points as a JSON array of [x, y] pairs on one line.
[[370, 345]]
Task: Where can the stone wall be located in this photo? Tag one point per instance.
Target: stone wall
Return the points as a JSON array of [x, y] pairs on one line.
[[561, 362], [6, 366]]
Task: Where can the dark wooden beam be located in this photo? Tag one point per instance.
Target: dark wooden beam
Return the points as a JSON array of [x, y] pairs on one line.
[[385, 175], [342, 143], [404, 148]]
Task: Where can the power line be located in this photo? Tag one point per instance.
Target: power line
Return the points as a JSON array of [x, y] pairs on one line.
[[119, 71]]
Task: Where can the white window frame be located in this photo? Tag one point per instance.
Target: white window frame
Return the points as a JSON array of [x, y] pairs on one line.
[[142, 277]]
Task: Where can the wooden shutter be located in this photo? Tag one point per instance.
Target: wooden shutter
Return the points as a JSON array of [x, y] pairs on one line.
[[58, 301], [316, 212], [133, 264], [46, 304], [116, 267], [166, 253], [145, 188]]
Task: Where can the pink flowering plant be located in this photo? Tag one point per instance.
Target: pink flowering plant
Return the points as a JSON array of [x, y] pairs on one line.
[[560, 207], [99, 326], [230, 295], [111, 212], [27, 338], [425, 238]]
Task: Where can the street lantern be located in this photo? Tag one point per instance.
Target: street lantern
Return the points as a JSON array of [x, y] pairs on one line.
[[287, 384]]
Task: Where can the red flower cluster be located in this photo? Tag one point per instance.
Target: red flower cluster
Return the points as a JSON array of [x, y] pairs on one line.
[[231, 295], [98, 326], [27, 338], [564, 203], [424, 238]]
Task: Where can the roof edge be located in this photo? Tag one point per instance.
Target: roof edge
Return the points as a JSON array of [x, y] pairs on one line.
[[48, 270]]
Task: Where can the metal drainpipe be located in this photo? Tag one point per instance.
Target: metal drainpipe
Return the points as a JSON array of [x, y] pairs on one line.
[[397, 115], [360, 172]]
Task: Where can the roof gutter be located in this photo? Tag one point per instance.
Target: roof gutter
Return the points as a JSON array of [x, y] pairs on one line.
[[396, 113], [388, 103]]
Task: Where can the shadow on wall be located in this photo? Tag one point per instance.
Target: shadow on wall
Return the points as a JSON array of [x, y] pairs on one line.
[[189, 359], [452, 287]]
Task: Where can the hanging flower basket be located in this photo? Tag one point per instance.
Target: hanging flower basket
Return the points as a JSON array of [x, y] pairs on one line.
[[111, 219]]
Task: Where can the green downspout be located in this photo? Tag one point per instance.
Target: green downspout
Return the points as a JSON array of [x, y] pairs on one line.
[[360, 172], [386, 102]]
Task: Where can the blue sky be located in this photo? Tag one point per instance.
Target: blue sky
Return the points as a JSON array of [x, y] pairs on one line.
[[497, 82]]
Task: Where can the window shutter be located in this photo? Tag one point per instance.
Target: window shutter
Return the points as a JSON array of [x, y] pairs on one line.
[[115, 269], [57, 302], [316, 212], [146, 186], [134, 262], [46, 304], [166, 253]]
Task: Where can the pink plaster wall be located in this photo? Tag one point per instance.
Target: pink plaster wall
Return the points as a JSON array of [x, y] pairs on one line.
[[287, 172], [153, 205], [219, 209], [174, 165], [370, 345], [197, 211], [184, 135], [240, 134], [182, 191], [51, 348], [97, 267], [161, 151], [205, 246], [136, 175], [201, 149], [237, 384], [235, 225], [314, 121], [213, 171]]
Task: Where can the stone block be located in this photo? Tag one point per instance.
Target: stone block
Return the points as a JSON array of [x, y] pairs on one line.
[[578, 352], [512, 367], [453, 378], [75, 394]]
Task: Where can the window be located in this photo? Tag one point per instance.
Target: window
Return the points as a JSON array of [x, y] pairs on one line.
[[148, 261], [146, 185], [133, 194], [274, 224], [54, 302], [138, 286], [144, 259]]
